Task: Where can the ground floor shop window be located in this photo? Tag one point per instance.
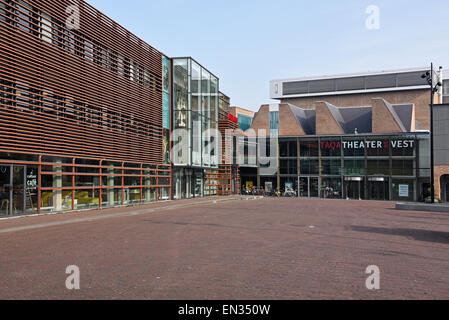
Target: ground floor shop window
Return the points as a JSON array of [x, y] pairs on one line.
[[56, 200], [149, 194], [331, 188], [45, 184], [164, 194], [132, 196], [269, 184], [111, 197], [86, 199], [289, 186], [193, 183], [18, 189]]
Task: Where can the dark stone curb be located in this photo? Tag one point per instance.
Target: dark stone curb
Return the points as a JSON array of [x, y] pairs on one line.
[[422, 207]]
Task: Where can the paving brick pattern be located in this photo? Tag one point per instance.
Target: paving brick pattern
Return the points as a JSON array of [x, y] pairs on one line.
[[260, 249]]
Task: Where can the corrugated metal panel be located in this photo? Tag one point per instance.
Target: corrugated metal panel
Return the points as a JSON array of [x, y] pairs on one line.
[[381, 81], [370, 82], [319, 86], [298, 87], [410, 79], [347, 84]]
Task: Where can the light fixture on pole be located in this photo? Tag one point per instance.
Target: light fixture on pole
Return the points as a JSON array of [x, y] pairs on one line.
[[435, 84]]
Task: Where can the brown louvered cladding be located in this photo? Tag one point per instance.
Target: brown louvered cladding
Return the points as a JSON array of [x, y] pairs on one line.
[[95, 92]]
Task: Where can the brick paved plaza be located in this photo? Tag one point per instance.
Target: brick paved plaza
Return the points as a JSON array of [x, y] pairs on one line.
[[242, 249]]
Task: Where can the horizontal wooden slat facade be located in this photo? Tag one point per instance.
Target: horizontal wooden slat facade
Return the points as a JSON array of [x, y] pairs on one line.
[[95, 92], [226, 168]]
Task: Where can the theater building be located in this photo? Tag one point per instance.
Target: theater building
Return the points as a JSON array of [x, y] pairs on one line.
[[90, 116], [363, 136]]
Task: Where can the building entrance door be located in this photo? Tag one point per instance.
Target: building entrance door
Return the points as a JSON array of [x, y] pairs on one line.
[[309, 187], [198, 184], [379, 189], [355, 188], [12, 190]]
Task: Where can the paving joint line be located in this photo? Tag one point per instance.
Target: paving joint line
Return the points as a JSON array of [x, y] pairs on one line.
[[116, 215]]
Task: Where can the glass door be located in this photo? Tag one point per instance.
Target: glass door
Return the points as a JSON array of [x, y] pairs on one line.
[[304, 187], [314, 187], [309, 187], [18, 190], [355, 188], [5, 190], [12, 190], [198, 180], [379, 189]]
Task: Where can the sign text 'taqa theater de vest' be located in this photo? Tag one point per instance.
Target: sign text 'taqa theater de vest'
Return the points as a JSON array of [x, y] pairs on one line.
[[379, 144]]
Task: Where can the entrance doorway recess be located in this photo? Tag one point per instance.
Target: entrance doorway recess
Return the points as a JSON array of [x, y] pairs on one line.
[[309, 187]]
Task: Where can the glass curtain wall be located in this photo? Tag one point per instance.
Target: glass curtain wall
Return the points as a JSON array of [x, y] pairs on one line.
[[372, 167], [182, 112], [213, 118], [195, 109], [354, 168], [195, 93], [166, 108], [288, 169], [331, 168], [40, 184]]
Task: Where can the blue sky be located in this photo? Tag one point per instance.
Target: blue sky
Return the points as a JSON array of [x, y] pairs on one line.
[[247, 43]]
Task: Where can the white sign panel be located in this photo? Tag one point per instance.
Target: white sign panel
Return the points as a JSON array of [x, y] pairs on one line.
[[403, 191]]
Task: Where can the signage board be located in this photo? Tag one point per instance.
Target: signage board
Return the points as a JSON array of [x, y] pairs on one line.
[[268, 186], [404, 191], [370, 144]]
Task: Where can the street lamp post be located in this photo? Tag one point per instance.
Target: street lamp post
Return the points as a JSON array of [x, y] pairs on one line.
[[434, 85]]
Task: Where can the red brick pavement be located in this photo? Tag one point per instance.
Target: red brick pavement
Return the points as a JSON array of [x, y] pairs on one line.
[[259, 249]]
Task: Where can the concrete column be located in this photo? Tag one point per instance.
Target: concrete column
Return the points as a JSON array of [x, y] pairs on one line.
[[178, 184], [188, 184], [110, 182], [147, 192], [57, 183]]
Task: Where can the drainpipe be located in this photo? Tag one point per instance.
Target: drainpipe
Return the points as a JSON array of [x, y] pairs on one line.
[[440, 89]]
